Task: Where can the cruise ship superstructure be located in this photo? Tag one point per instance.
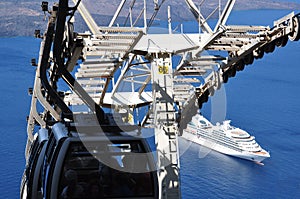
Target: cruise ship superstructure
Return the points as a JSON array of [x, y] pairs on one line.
[[224, 138]]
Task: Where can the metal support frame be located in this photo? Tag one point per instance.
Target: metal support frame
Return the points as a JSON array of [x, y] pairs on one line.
[[121, 5], [205, 27], [109, 47], [87, 18], [225, 14], [165, 129]]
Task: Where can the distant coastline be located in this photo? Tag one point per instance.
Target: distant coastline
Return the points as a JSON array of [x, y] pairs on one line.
[[23, 17]]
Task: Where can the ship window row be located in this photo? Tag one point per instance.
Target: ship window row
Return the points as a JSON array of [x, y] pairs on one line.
[[251, 147], [238, 140], [215, 133], [247, 143], [228, 145], [241, 138], [223, 139], [219, 138]]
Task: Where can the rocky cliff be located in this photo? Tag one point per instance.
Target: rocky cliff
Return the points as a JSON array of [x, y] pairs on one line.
[[22, 17]]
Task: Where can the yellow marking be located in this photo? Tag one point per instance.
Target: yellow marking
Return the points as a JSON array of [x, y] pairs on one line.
[[163, 69]]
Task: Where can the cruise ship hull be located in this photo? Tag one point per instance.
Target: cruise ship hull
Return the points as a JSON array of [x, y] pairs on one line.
[[252, 156]]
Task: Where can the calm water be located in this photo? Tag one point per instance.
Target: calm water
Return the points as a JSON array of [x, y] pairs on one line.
[[263, 99]]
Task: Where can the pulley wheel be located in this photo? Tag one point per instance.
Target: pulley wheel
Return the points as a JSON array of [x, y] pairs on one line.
[[259, 53], [248, 59], [295, 35], [239, 66], [225, 77], [269, 48], [282, 41], [232, 72]]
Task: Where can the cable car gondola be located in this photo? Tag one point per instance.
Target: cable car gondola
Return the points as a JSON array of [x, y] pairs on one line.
[[103, 165]]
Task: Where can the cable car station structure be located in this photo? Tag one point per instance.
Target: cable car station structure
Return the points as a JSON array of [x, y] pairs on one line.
[[126, 69]]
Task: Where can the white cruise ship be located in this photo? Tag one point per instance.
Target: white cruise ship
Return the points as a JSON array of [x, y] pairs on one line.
[[224, 138]]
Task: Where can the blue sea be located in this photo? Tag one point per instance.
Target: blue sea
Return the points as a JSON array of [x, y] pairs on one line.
[[263, 99]]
